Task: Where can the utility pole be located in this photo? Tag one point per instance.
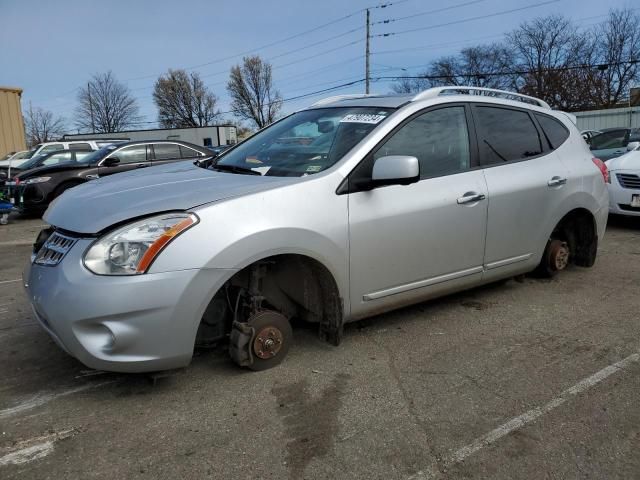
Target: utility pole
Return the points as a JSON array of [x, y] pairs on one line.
[[367, 54], [93, 125]]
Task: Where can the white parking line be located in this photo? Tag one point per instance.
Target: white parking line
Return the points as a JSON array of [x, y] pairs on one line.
[[528, 417], [10, 281], [29, 450], [43, 398]]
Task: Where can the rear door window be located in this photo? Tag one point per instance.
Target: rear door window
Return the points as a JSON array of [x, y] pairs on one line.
[[166, 151], [506, 135], [51, 148], [554, 130], [79, 146]]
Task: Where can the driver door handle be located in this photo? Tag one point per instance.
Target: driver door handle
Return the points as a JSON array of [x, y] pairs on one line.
[[142, 165], [556, 182], [470, 197]]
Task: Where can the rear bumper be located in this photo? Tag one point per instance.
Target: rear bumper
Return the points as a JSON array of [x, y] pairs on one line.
[[121, 323]]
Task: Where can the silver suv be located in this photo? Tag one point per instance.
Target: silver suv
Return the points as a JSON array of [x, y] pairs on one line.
[[352, 207]]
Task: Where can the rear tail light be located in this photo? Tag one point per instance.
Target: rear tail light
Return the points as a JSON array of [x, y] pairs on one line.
[[603, 169]]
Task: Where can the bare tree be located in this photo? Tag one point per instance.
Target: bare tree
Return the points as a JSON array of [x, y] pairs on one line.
[[487, 66], [618, 49], [481, 66], [183, 100], [253, 95], [106, 105], [548, 50], [410, 85], [42, 126]]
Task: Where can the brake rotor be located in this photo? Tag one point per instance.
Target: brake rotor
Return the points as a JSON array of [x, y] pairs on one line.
[[559, 255], [268, 342]]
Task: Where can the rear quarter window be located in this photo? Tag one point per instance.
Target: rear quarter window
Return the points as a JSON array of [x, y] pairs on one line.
[[553, 129]]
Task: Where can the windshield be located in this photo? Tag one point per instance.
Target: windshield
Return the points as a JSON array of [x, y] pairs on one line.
[[32, 162], [304, 143]]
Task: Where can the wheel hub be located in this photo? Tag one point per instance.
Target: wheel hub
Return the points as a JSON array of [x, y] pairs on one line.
[[267, 343], [560, 255]]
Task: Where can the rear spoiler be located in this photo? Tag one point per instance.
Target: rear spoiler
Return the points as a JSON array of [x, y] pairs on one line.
[[571, 117]]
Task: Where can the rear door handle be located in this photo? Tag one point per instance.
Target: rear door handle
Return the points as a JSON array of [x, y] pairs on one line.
[[470, 197], [142, 165], [556, 181]]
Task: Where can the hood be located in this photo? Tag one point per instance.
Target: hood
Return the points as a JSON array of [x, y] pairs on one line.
[[43, 170], [93, 206], [628, 161]]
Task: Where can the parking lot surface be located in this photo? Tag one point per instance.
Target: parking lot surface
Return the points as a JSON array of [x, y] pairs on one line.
[[531, 379]]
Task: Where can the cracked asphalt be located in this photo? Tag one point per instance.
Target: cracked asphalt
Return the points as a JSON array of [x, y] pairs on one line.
[[396, 400]]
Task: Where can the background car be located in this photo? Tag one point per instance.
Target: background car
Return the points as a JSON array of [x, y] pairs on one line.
[[66, 145], [612, 143], [589, 134], [44, 159], [624, 186], [33, 190], [16, 159], [217, 150]]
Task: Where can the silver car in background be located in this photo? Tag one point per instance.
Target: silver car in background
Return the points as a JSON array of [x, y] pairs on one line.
[[347, 209]]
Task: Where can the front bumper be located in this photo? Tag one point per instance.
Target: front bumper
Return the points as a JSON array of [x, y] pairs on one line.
[[121, 323], [620, 197]]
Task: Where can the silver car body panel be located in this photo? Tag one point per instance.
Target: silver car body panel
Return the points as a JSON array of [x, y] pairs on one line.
[[385, 248]]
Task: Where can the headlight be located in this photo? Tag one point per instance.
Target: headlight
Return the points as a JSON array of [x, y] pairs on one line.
[[131, 249], [29, 181]]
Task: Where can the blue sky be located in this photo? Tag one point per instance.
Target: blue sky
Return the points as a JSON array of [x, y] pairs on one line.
[[50, 48]]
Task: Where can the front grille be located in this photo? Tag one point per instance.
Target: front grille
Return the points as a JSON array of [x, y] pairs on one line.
[[628, 180], [54, 249]]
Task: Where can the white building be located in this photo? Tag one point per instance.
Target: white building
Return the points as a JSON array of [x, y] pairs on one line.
[[204, 136]]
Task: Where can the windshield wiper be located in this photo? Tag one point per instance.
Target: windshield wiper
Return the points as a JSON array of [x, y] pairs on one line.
[[495, 151], [235, 169]]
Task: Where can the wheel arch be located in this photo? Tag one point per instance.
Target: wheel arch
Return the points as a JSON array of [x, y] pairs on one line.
[[579, 228], [296, 283]]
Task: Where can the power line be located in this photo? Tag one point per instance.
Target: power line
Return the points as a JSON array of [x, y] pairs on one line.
[[471, 19], [256, 49], [435, 45], [598, 66], [283, 40], [421, 14]]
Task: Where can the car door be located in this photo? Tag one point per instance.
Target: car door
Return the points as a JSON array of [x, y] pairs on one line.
[[526, 183], [610, 144], [409, 242], [129, 157], [165, 153]]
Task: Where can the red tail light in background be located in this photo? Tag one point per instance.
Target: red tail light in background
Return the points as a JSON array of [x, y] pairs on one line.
[[603, 169], [16, 180]]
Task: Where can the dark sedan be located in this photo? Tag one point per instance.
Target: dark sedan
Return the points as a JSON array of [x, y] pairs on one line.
[[32, 190]]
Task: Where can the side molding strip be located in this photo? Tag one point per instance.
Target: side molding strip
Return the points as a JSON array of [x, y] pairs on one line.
[[421, 283]]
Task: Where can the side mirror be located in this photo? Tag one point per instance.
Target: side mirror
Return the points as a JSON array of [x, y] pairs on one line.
[[395, 170], [632, 146], [111, 161]]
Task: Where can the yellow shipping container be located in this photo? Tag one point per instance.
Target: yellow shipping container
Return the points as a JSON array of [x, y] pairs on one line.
[[12, 138]]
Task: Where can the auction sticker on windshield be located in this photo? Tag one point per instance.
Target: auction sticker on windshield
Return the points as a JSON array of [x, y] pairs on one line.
[[363, 118]]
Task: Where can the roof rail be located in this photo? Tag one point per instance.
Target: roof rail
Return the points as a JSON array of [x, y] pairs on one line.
[[335, 98], [489, 92]]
